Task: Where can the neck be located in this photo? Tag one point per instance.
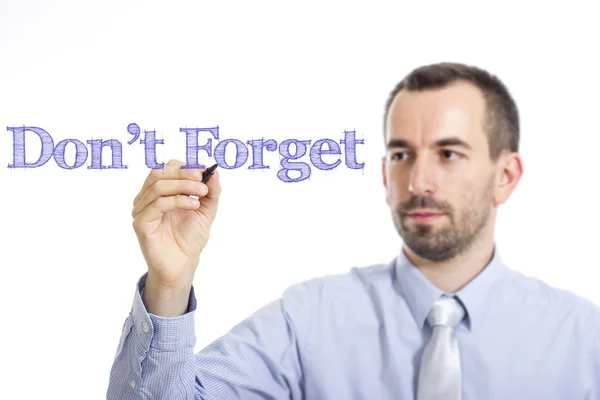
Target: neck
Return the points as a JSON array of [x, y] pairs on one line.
[[452, 275]]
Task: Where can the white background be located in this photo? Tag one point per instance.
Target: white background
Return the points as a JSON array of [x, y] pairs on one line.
[[304, 70]]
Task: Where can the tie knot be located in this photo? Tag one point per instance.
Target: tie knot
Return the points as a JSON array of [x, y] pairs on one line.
[[446, 311]]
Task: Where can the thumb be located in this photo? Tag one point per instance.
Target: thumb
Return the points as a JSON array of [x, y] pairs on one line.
[[210, 202]]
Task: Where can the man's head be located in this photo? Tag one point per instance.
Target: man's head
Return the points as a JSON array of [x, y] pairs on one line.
[[452, 140]]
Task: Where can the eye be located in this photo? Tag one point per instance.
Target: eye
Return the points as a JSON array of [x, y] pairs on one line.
[[399, 155], [447, 154]]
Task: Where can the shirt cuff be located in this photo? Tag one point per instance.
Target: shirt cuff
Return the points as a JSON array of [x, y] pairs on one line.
[[163, 333]]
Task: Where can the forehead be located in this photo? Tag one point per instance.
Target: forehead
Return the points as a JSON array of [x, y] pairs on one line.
[[421, 117]]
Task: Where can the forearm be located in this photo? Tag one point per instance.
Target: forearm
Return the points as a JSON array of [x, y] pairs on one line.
[[155, 354], [258, 358], [165, 370]]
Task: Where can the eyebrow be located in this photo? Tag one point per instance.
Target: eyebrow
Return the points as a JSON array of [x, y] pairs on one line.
[[451, 141]]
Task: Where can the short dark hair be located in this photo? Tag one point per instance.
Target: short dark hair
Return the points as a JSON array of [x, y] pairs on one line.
[[502, 114]]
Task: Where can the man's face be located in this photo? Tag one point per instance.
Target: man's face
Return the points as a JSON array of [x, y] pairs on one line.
[[438, 174]]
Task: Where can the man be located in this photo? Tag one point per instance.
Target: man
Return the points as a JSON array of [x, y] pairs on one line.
[[446, 319]]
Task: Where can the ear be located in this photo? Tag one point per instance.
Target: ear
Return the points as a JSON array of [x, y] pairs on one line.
[[510, 171]]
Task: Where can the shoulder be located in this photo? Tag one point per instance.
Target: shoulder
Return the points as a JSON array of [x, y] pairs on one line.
[[531, 291], [353, 282], [338, 299], [354, 286]]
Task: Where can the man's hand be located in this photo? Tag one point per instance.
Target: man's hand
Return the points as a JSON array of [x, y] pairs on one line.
[[173, 229]]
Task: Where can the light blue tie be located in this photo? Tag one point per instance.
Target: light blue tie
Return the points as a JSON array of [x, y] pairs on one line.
[[440, 373]]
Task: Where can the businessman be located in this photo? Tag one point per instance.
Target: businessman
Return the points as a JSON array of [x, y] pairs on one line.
[[446, 319]]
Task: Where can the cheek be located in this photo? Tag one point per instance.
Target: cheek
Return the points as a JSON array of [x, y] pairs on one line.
[[473, 196], [398, 182], [463, 194], [397, 193], [468, 202]]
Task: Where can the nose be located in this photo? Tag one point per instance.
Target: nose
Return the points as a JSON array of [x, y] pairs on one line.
[[422, 181]]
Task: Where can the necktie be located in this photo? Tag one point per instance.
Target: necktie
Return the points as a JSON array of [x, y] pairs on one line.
[[440, 376]]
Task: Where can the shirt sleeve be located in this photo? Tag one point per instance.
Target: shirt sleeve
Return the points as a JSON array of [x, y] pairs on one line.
[[593, 384], [260, 358]]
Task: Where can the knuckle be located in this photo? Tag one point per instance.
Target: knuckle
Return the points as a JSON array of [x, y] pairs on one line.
[[194, 186], [135, 224], [182, 172], [159, 187], [138, 228], [156, 174], [161, 202], [182, 200]]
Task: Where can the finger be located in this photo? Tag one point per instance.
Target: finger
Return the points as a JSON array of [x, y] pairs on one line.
[[169, 187], [155, 175], [174, 163], [172, 170], [210, 202], [163, 205]]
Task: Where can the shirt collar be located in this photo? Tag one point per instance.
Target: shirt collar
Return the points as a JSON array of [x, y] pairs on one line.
[[421, 294]]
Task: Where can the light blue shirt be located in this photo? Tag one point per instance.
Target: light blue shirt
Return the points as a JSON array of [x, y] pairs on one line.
[[360, 335]]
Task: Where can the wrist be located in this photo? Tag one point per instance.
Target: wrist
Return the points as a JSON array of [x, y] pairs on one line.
[[166, 291], [166, 301]]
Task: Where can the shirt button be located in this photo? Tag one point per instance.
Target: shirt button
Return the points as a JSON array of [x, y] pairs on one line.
[[132, 384], [145, 326]]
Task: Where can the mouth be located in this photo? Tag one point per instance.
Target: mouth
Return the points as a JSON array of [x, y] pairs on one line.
[[425, 216]]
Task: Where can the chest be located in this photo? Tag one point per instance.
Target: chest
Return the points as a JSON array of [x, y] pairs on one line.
[[382, 362]]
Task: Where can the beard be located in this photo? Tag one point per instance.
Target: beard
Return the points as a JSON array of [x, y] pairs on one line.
[[447, 242]]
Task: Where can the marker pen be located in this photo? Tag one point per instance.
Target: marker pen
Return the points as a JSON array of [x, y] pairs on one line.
[[208, 173]]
